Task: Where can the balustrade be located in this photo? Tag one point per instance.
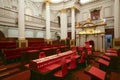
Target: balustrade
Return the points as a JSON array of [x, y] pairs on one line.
[[11, 14]]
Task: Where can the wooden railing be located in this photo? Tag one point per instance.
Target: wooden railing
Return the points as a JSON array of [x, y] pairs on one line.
[[11, 14]]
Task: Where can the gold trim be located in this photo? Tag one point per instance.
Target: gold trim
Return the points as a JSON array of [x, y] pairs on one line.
[[116, 41], [73, 7], [21, 41], [47, 2], [72, 42], [48, 41], [63, 40]]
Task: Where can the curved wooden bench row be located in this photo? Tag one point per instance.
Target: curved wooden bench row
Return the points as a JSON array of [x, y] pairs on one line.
[[10, 54]]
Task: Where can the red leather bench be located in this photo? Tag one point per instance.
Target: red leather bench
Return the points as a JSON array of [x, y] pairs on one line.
[[7, 45], [10, 54], [15, 53]]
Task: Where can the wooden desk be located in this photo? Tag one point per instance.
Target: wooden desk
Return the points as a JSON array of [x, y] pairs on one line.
[[50, 60], [102, 61], [105, 57], [103, 64], [47, 65], [50, 51], [95, 73], [111, 54], [29, 55]]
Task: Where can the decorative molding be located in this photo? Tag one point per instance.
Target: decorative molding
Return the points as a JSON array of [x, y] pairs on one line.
[[85, 15], [107, 11], [22, 43], [97, 8], [63, 11]]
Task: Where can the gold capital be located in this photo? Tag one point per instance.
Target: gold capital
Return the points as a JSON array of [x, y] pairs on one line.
[[63, 11], [47, 2], [73, 7]]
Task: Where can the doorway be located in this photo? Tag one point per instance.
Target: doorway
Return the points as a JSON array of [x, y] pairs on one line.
[[108, 41]]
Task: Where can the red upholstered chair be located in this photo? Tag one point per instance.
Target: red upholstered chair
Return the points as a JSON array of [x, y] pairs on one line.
[[72, 64], [63, 71], [89, 51], [87, 44], [80, 49], [82, 59], [83, 56], [74, 49], [42, 55]]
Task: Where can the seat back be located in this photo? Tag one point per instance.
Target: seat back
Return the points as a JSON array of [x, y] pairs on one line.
[[83, 56], [74, 49], [64, 67], [89, 51], [72, 64], [42, 55], [58, 51]]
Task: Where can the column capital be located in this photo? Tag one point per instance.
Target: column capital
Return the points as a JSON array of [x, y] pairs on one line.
[[47, 1], [63, 10], [73, 7]]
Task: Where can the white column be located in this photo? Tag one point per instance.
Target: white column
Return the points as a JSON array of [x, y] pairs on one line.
[[63, 23], [48, 34], [73, 22], [21, 20], [116, 18]]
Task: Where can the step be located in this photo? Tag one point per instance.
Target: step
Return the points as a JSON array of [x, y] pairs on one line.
[[25, 76], [9, 72], [1, 62], [8, 67]]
